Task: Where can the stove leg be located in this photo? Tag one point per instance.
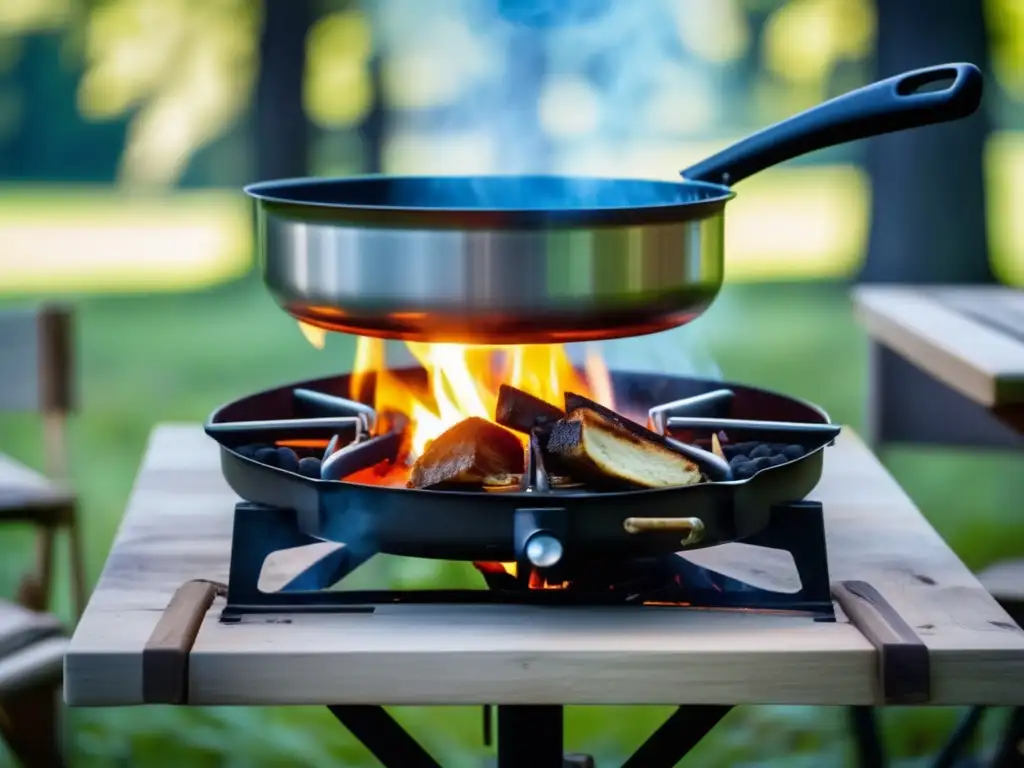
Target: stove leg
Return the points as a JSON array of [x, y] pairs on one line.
[[383, 736], [870, 753], [798, 527], [530, 736], [677, 736], [259, 532]]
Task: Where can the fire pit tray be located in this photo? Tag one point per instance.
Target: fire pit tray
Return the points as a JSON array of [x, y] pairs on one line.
[[564, 527]]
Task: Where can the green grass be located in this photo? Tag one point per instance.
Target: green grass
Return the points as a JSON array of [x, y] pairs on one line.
[[149, 359]]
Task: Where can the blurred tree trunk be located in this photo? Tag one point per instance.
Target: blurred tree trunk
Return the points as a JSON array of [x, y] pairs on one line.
[[928, 205], [523, 144], [374, 128], [282, 131]]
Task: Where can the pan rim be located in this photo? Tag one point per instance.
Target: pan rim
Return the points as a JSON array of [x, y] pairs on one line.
[[278, 198], [264, 191]]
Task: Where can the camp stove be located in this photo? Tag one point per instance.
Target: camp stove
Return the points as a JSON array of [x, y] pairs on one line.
[[307, 461]]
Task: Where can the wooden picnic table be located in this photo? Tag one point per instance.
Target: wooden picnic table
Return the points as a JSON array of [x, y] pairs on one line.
[[949, 369], [947, 364], [178, 526]]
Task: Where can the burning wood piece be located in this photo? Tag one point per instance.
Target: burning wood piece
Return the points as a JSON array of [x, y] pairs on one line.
[[522, 411], [597, 447], [716, 446], [470, 451], [714, 467]]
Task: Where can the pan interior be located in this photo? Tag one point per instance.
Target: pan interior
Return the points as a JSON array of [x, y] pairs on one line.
[[488, 193]]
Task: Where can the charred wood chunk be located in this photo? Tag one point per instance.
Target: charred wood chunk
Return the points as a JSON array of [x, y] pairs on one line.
[[310, 467], [469, 452], [598, 448], [522, 411], [574, 402]]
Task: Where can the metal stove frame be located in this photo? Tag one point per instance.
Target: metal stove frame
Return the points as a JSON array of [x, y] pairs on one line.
[[259, 531]]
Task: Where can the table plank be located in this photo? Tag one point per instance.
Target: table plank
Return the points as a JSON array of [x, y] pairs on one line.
[[968, 352], [14, 474], [998, 308], [177, 527]]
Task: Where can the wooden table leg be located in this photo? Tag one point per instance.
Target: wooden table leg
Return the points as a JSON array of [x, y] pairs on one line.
[[907, 405]]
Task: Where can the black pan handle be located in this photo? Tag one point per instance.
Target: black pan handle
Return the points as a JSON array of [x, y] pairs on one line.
[[894, 104]]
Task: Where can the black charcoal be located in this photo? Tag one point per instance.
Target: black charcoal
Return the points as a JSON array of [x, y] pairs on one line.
[[793, 452], [743, 470], [249, 451], [268, 456], [761, 452], [287, 459], [738, 459], [310, 467], [777, 460]]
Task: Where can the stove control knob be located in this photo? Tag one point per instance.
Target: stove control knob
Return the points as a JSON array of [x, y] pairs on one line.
[[543, 550]]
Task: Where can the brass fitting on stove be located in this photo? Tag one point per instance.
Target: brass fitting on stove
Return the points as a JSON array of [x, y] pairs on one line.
[[692, 527]]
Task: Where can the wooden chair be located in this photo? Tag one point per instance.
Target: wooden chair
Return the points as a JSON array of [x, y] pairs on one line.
[[36, 374], [32, 647]]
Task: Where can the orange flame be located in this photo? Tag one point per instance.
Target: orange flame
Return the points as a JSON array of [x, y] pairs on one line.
[[536, 581], [463, 382]]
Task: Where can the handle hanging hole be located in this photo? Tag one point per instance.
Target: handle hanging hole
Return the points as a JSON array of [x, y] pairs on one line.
[[927, 82]]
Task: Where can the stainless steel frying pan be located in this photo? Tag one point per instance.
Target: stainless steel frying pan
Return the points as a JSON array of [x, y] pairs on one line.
[[537, 259]]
